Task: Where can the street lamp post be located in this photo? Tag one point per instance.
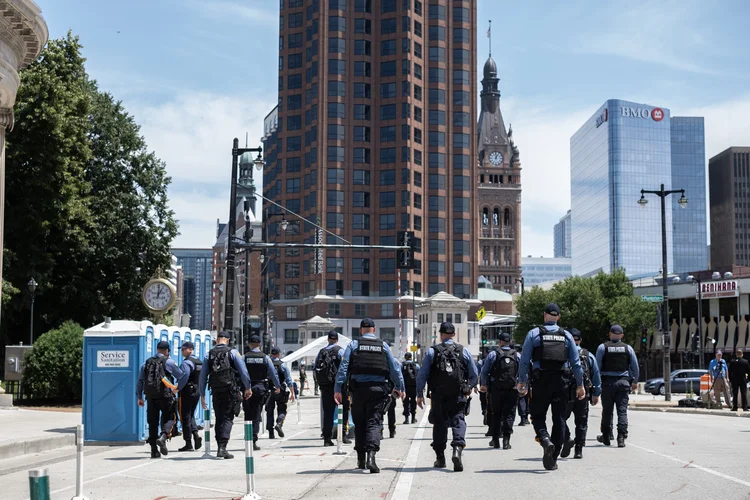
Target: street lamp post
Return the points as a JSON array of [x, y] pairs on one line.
[[31, 287], [232, 227], [662, 194], [700, 321], [267, 216]]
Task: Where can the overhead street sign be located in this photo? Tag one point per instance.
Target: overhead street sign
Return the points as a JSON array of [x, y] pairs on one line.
[[652, 298], [413, 348]]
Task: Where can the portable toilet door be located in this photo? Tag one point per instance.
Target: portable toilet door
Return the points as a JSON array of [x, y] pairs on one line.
[[174, 341], [197, 352], [188, 337], [163, 334], [150, 341]]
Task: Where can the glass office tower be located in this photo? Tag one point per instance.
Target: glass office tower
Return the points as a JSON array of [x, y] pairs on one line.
[[623, 148]]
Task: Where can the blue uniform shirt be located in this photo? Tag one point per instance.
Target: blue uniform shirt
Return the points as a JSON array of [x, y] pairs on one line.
[[187, 368], [270, 369], [490, 361], [287, 375], [596, 378], [343, 375], [171, 368], [534, 340], [719, 371], [424, 372], [239, 365], [632, 368]]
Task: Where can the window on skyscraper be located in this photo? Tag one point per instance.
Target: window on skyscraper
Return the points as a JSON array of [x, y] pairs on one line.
[[362, 5], [362, 155], [362, 90], [437, 12], [336, 23], [388, 134], [363, 26], [387, 199], [437, 54], [362, 47], [437, 33], [362, 68], [362, 134], [388, 47], [388, 90]]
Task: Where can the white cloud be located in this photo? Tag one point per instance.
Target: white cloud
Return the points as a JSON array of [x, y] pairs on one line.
[[255, 11], [727, 123]]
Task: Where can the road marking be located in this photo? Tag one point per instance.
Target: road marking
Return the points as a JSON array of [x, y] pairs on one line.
[[106, 476], [692, 465], [205, 488], [285, 439], [406, 475]]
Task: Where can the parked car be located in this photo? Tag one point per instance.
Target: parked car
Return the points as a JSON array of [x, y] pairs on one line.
[[683, 381]]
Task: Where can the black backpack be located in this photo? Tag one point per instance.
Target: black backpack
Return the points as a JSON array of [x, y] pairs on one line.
[[221, 373], [586, 366], [447, 373], [409, 372], [505, 369], [327, 366], [154, 371]]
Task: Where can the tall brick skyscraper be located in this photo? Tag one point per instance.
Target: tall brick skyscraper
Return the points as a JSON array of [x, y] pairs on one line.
[[376, 134]]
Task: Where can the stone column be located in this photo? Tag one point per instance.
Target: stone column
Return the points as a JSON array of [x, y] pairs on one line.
[[23, 34]]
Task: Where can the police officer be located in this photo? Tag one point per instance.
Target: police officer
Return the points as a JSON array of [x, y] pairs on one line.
[[160, 378], [498, 379], [483, 396], [327, 364], [189, 397], [592, 382], [553, 355], [619, 368], [451, 374], [221, 369], [302, 377], [261, 370], [409, 370], [367, 365], [279, 400], [392, 404], [523, 402]]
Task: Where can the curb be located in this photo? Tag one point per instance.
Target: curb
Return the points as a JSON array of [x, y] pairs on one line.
[[36, 445], [693, 411]]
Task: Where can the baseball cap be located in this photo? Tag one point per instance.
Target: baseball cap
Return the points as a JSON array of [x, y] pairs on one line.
[[616, 329], [188, 345], [505, 337], [275, 350], [225, 334], [367, 323], [552, 309], [162, 346], [447, 327], [254, 339], [333, 335], [575, 333]]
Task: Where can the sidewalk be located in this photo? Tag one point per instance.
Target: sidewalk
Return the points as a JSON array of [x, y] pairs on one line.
[[647, 402], [33, 431]]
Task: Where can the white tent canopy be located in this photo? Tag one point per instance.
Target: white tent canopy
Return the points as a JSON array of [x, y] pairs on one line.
[[311, 350]]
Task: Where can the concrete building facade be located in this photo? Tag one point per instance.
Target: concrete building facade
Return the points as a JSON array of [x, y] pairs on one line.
[[729, 193]]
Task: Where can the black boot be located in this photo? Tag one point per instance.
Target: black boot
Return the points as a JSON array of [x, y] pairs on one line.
[[439, 460], [392, 431], [548, 460], [188, 446], [279, 430], [271, 435], [414, 418], [488, 433], [328, 442], [522, 422], [346, 440], [495, 443], [255, 445], [578, 452], [406, 420], [198, 440], [370, 463], [525, 421], [162, 444], [506, 443], [154, 452], [620, 441], [458, 465], [223, 453], [567, 446], [606, 439], [361, 460]]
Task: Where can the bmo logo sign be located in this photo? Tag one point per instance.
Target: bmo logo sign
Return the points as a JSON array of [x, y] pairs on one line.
[[656, 114]]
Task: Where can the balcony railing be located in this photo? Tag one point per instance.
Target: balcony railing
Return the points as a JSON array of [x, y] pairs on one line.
[[497, 233], [496, 267]]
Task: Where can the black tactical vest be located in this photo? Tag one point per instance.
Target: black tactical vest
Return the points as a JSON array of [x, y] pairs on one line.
[[616, 357], [256, 366], [195, 375], [277, 363], [221, 371], [551, 352], [369, 358]]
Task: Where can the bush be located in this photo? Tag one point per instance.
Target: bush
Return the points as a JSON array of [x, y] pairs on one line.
[[52, 370]]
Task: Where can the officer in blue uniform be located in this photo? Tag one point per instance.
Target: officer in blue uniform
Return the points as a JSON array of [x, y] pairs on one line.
[[279, 400], [451, 374], [523, 401], [160, 397], [498, 380], [552, 354], [367, 365], [592, 382], [619, 368], [189, 397], [409, 370], [327, 364], [261, 371], [222, 368]]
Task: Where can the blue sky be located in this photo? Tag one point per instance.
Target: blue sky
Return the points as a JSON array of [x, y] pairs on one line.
[[197, 73]]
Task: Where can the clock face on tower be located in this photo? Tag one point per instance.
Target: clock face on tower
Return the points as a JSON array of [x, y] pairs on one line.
[[496, 158]]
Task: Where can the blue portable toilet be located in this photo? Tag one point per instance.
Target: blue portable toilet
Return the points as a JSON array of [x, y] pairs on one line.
[[113, 353], [196, 340], [175, 341]]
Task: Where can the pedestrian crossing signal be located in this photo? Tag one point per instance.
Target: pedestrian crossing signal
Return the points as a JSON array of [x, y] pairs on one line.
[[406, 255], [484, 337]]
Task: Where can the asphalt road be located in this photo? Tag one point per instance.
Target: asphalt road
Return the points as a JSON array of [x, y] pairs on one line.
[[668, 456]]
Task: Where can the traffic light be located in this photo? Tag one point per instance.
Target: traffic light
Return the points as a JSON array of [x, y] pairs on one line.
[[644, 338], [484, 336], [406, 256], [695, 342]]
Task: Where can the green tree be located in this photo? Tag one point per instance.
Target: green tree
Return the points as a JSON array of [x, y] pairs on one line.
[[592, 305], [52, 369], [87, 212]]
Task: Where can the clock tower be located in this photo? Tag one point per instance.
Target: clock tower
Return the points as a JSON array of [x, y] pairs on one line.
[[499, 190]]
